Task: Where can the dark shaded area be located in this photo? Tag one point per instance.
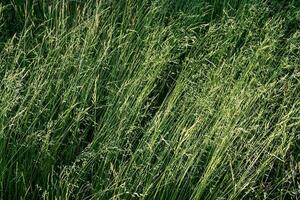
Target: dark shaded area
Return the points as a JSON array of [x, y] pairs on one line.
[[165, 84], [18, 14], [291, 26], [10, 25]]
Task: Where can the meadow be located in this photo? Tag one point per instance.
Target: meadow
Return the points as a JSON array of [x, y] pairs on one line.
[[149, 99]]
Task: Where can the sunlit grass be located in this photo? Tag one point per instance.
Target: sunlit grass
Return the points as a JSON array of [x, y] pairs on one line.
[[149, 99]]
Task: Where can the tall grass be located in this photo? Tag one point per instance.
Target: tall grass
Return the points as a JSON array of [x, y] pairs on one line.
[[154, 99]]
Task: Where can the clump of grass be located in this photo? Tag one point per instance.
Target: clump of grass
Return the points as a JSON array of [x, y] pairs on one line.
[[149, 100]]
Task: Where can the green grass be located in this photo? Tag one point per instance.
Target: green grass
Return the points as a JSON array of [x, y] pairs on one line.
[[161, 99]]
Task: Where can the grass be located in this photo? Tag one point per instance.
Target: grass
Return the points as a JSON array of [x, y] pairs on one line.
[[153, 99]]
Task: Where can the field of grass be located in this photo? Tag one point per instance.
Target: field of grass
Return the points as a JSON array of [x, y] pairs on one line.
[[149, 99]]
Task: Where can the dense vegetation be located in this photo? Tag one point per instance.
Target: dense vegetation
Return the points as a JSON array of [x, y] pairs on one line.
[[140, 99]]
